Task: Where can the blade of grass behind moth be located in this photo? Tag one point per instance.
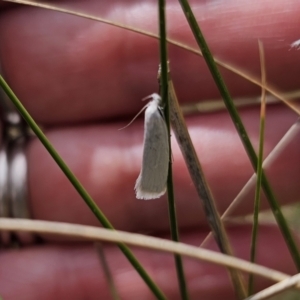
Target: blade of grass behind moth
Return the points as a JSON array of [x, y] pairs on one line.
[[106, 270], [259, 165], [93, 233], [79, 188], [215, 105], [227, 66], [282, 224], [277, 288], [165, 102], [289, 136], [188, 151]]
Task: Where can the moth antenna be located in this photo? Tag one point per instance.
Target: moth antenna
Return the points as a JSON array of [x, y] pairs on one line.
[[135, 116], [148, 97]]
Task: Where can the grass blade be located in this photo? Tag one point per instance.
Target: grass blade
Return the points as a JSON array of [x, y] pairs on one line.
[[282, 224], [289, 136], [189, 153], [259, 166], [79, 188], [228, 67], [277, 288], [165, 101], [92, 233], [107, 272]]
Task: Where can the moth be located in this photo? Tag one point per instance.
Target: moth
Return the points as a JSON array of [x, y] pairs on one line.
[[152, 180]]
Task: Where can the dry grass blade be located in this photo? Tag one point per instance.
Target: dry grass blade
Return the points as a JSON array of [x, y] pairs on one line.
[[107, 272], [196, 51], [257, 82], [101, 234], [259, 165], [213, 105], [191, 159], [276, 288], [290, 135]]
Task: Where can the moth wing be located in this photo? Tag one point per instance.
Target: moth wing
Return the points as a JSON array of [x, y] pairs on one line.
[[152, 180]]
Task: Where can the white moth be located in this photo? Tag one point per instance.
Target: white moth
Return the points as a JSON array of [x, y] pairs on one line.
[[152, 181]]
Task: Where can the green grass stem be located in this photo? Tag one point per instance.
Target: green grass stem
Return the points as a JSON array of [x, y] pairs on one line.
[[79, 188], [282, 224], [170, 186]]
